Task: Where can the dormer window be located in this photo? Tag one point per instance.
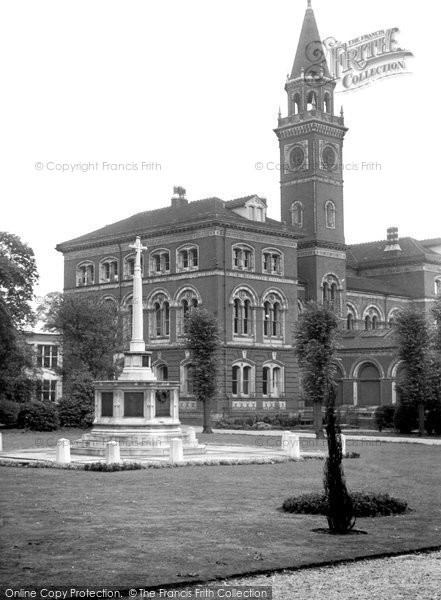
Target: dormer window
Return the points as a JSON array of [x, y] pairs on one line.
[[85, 274], [243, 258], [160, 262], [108, 270], [188, 258], [272, 262]]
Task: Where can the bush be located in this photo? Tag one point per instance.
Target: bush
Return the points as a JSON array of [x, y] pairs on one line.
[[384, 416], [101, 466], [405, 417], [9, 412], [76, 412], [77, 407], [271, 422], [364, 504], [433, 421], [38, 416]]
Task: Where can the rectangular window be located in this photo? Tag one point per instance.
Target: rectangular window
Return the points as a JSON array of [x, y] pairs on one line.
[[167, 261], [46, 390], [107, 404], [133, 404], [47, 356], [246, 381], [235, 381]]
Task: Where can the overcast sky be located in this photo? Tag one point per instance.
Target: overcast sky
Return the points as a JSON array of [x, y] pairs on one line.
[[194, 87]]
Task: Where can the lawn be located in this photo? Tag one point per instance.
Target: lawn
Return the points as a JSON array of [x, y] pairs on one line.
[[144, 528]]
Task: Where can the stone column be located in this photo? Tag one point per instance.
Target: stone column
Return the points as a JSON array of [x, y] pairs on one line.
[[62, 453], [112, 453], [176, 451], [137, 342]]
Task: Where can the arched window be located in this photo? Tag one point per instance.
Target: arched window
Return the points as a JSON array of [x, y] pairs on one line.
[[243, 313], [332, 291], [392, 317], [372, 318], [108, 270], [272, 262], [438, 286], [242, 379], [187, 258], [85, 274], [273, 380], [243, 258], [160, 313], [273, 317], [350, 322], [186, 301], [311, 101], [330, 214], [296, 104], [161, 371], [367, 323], [187, 386], [297, 214], [327, 103], [375, 322], [160, 262], [129, 266]]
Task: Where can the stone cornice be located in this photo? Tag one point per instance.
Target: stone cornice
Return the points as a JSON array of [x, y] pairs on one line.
[[303, 245], [312, 126]]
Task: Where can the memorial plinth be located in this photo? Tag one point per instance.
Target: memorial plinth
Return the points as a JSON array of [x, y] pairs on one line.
[[136, 410]]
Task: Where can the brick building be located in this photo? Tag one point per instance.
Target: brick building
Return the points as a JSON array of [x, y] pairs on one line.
[[255, 273]]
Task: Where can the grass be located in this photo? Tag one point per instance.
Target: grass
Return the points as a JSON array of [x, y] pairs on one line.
[[145, 528]]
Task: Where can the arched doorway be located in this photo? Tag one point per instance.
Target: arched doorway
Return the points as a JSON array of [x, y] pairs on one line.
[[369, 391]]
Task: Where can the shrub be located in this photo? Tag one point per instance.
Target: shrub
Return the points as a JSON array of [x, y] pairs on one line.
[[384, 416], [38, 416], [364, 504], [433, 421], [9, 412], [101, 466], [405, 417], [76, 412]]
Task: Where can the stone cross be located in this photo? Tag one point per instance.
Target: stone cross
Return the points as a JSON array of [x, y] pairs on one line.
[[137, 342]]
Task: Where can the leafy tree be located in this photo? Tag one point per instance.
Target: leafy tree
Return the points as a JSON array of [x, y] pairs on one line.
[[433, 415], [203, 339], [316, 334], [89, 333], [414, 351], [18, 275]]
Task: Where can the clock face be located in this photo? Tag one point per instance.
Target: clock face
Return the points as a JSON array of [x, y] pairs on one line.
[[297, 157], [329, 158]]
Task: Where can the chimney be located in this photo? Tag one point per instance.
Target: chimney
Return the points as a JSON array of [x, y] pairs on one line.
[[392, 240], [179, 198]]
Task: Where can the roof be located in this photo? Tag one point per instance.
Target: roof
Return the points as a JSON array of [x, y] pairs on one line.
[[309, 49], [370, 253], [172, 216], [375, 285], [236, 202]]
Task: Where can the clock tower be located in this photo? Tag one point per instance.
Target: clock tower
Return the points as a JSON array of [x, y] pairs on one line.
[[311, 143]]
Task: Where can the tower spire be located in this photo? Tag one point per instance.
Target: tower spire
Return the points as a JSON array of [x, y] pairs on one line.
[[309, 3], [310, 51]]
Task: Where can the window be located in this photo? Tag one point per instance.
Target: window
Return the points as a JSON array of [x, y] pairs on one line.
[[311, 101], [331, 291], [350, 322], [272, 381], [272, 320], [372, 318], [161, 372], [272, 262], [330, 214], [297, 214], [296, 104], [187, 259], [108, 270], [243, 258], [327, 103], [129, 266], [438, 286], [187, 387], [47, 356], [187, 301], [85, 274], [243, 313], [392, 318], [160, 262], [162, 319], [242, 380], [46, 390]]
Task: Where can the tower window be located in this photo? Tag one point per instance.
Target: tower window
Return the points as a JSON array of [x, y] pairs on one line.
[[297, 214], [330, 214], [327, 103], [312, 101]]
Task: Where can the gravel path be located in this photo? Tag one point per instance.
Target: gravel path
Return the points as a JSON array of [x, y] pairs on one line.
[[407, 577]]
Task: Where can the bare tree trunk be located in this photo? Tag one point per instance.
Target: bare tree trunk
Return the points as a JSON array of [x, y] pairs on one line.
[[421, 419], [318, 419], [207, 416]]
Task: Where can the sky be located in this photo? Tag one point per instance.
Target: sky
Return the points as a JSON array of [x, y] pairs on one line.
[[189, 93]]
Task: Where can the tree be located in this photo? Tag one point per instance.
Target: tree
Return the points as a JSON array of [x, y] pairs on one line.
[[414, 351], [18, 275], [433, 415], [203, 339], [89, 330], [340, 514], [316, 334]]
